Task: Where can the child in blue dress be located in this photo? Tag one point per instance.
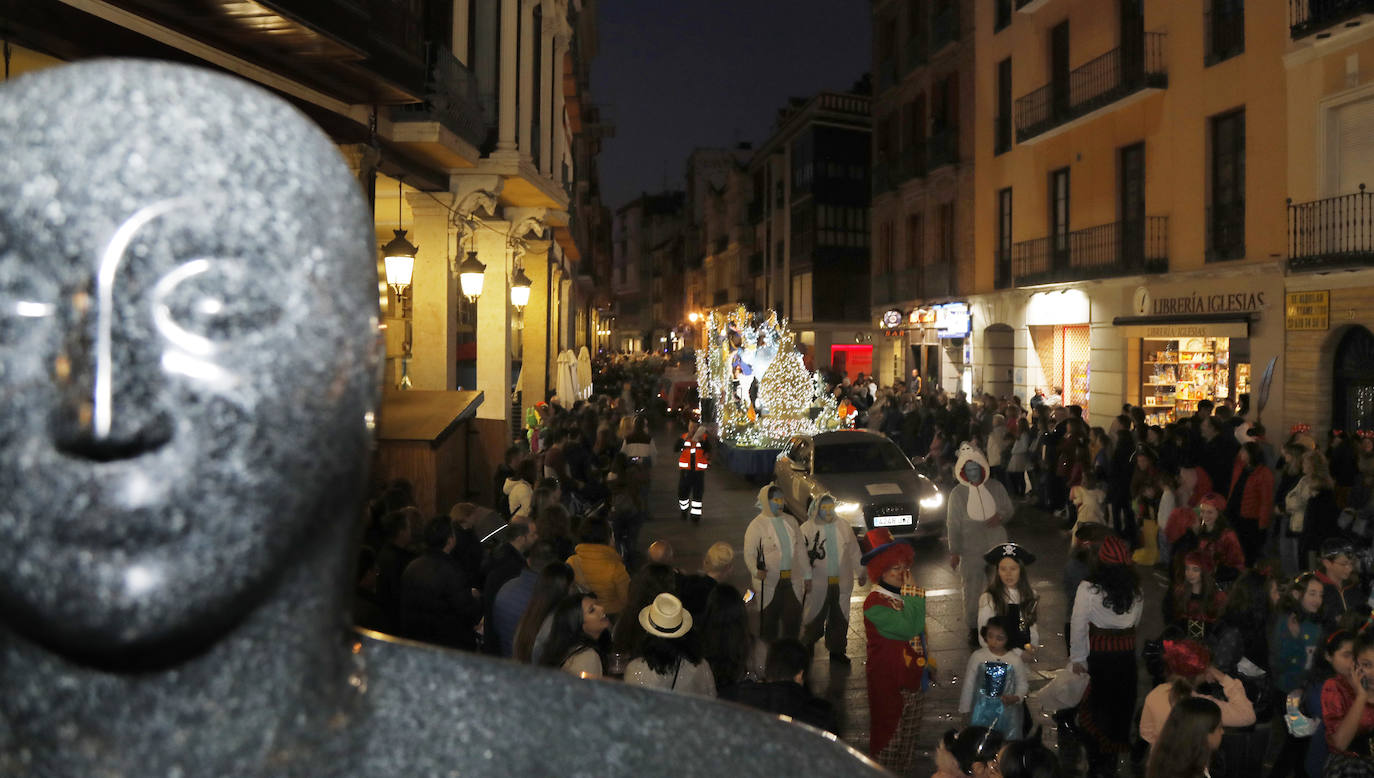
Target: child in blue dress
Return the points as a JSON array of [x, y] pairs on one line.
[[995, 683]]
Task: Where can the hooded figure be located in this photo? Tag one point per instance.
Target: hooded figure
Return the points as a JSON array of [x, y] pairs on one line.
[[832, 552], [776, 558], [978, 507]]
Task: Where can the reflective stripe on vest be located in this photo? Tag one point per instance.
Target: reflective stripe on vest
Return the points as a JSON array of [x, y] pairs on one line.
[[693, 452]]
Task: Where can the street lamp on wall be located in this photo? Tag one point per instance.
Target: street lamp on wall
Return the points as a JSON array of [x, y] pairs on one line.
[[520, 289], [471, 274], [399, 254]]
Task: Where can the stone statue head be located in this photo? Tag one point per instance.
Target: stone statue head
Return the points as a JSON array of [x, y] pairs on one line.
[[188, 351]]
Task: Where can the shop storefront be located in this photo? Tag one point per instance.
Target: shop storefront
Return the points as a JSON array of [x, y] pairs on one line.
[[1186, 343], [927, 347], [1059, 362]]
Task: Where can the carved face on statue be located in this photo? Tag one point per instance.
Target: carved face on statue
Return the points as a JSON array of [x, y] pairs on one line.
[[188, 309]]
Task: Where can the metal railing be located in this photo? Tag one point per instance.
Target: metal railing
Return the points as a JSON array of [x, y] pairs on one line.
[[1225, 26], [1225, 231], [1119, 248], [942, 148], [1335, 232], [914, 53], [1306, 17], [1001, 134], [944, 26], [452, 97], [1119, 73]]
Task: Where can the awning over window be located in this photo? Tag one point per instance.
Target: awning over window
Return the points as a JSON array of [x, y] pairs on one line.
[[1212, 325]]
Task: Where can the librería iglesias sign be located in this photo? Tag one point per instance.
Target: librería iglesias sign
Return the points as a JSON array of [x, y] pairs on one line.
[[1242, 302]]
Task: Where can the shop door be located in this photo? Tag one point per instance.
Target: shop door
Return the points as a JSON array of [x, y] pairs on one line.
[[1132, 250], [1352, 386], [1076, 376]]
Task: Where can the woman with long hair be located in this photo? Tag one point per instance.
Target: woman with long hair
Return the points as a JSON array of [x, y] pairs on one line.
[[647, 583], [554, 583], [1294, 643], [1317, 519], [1011, 597], [1336, 657], [1106, 612], [726, 643], [1027, 758], [1190, 736], [1194, 603], [668, 658], [1210, 533], [579, 636]]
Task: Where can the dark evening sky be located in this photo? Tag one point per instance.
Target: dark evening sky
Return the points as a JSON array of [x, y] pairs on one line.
[[682, 74]]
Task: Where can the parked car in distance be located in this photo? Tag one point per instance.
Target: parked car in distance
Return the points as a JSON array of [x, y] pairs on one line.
[[873, 483]]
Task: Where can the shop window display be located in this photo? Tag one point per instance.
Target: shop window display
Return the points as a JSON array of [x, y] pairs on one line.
[[1177, 373]]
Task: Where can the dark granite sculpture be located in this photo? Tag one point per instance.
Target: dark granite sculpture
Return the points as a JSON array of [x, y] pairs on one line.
[[189, 365]]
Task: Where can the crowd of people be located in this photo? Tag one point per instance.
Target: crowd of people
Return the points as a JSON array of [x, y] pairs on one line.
[[1265, 549]]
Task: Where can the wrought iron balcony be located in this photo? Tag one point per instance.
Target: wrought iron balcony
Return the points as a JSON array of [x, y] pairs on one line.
[[1225, 231], [1120, 73], [1310, 17], [1333, 233], [451, 98], [1120, 248], [942, 148]]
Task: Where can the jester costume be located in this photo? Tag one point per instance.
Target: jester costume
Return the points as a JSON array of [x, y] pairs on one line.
[[899, 667]]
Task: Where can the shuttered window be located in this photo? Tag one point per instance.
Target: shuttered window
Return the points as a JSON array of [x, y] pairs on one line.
[[1355, 155]]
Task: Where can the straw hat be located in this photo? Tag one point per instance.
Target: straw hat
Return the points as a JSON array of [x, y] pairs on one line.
[[665, 617]]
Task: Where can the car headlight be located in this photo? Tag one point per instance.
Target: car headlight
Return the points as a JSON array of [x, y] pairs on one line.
[[933, 501], [849, 510]]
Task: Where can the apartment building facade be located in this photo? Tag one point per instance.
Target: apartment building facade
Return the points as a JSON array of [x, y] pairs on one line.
[[1128, 248]]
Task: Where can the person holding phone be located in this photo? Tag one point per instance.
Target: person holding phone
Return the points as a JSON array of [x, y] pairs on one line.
[[1348, 714]]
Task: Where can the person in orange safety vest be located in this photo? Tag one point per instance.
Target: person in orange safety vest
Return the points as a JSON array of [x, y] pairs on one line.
[[694, 456]]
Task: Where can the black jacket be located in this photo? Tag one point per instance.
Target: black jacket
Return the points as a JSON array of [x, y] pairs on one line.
[[437, 605], [787, 698]]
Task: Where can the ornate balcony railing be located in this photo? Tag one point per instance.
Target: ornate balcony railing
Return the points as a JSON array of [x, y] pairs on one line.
[[1119, 73], [1120, 248], [452, 98], [1225, 231], [1336, 232], [1307, 17], [942, 148]]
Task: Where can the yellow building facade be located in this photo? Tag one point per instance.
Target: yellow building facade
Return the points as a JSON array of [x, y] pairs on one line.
[[1129, 218], [1329, 69]]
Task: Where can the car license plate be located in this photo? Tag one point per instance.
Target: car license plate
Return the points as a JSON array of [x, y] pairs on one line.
[[892, 521]]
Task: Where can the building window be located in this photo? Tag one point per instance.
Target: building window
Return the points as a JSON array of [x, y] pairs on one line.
[[946, 247], [1002, 265], [1226, 214], [1225, 30], [1059, 218], [915, 240], [801, 297], [885, 248], [1002, 15], [1001, 140]]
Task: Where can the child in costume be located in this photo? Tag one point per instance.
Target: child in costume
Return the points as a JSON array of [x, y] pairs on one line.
[[1010, 597], [995, 683], [833, 551], [776, 558], [899, 668]]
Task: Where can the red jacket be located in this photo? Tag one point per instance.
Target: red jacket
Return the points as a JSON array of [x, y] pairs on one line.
[[1257, 502]]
